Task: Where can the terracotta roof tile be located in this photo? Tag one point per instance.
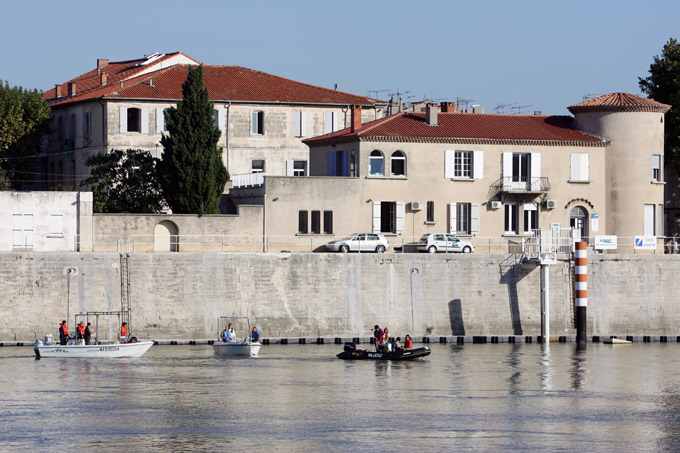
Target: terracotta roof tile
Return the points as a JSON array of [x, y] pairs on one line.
[[467, 128], [624, 102], [224, 83]]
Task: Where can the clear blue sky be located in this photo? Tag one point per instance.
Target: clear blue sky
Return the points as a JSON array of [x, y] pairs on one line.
[[545, 55]]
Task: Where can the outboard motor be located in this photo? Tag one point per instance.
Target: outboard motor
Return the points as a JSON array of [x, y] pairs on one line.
[[350, 347], [35, 348]]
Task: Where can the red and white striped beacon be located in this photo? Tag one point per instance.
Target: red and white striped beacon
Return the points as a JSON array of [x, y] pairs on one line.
[[581, 291]]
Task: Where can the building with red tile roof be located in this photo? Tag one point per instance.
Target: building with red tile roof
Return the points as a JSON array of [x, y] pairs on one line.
[[262, 117]]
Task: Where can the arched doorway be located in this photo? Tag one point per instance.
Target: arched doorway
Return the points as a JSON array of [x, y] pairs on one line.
[[165, 237], [578, 218]]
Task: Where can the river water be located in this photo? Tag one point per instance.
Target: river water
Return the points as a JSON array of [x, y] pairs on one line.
[[496, 397]]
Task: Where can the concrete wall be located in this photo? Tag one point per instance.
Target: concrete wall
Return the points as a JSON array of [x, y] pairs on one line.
[[179, 296]]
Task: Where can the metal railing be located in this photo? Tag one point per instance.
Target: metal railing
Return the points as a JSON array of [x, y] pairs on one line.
[[520, 244], [519, 185], [248, 180]]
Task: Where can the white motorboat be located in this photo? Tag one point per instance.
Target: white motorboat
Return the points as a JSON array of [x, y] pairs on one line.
[[73, 350], [231, 347], [245, 347]]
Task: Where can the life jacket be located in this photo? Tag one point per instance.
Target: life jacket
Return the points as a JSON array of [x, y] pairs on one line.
[[82, 329], [64, 329], [408, 343], [123, 331]]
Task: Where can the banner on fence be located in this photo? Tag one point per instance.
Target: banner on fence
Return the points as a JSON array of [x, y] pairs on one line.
[[605, 242]]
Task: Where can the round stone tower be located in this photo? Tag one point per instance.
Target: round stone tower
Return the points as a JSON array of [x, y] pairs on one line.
[[634, 160]]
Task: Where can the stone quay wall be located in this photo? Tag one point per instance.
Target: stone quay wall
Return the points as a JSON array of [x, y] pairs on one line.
[[180, 295]]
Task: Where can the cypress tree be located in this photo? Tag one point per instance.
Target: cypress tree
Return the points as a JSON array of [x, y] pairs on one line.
[[191, 172]]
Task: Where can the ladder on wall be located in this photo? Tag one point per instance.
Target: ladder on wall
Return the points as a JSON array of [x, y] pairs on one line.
[[125, 288]]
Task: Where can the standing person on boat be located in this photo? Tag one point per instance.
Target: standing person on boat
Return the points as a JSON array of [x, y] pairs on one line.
[[88, 333], [80, 331], [255, 334], [408, 343], [123, 333], [63, 333], [378, 335], [228, 334]]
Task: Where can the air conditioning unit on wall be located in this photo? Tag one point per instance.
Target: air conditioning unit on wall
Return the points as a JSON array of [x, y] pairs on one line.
[[496, 204], [417, 205], [551, 204]]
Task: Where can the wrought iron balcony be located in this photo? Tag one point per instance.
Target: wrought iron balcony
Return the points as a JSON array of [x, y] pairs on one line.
[[510, 184]]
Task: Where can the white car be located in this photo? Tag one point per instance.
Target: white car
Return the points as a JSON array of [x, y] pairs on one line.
[[441, 242], [360, 242]]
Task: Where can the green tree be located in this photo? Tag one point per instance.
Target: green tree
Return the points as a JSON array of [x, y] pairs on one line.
[[191, 173], [124, 181], [24, 118], [663, 85]]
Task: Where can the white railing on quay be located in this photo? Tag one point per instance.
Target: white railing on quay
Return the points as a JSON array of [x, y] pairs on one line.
[[97, 243]]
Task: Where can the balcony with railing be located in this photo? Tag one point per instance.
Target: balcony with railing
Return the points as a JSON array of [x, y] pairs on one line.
[[248, 180], [512, 184]]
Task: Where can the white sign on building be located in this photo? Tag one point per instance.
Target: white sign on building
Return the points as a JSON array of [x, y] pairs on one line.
[[645, 242], [605, 242]]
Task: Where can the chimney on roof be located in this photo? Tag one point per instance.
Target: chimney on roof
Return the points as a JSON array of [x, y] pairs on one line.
[[356, 117], [431, 112], [101, 62], [71, 88], [336, 87], [102, 78], [448, 107], [57, 91]]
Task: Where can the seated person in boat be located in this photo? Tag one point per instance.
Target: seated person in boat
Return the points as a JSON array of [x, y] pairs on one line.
[[228, 334], [396, 346], [408, 343], [63, 333], [255, 334]]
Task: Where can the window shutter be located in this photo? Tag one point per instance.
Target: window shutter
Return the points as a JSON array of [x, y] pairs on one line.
[[449, 163], [290, 168], [585, 167], [123, 119], [452, 218], [296, 124], [160, 119], [222, 121], [84, 121], [253, 123], [506, 163], [344, 171], [56, 224], [376, 217], [659, 221], [478, 162], [575, 167], [401, 210], [535, 165], [335, 121], [474, 218], [649, 220], [328, 123], [329, 163], [303, 124], [145, 121]]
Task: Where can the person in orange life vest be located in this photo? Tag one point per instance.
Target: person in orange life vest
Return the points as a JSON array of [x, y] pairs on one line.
[[378, 334], [63, 333], [408, 343], [80, 331], [122, 334]]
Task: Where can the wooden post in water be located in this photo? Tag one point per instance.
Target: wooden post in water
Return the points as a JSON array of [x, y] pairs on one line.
[[581, 292]]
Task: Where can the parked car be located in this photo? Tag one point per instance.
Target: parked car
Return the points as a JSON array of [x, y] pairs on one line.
[[440, 242], [364, 242]]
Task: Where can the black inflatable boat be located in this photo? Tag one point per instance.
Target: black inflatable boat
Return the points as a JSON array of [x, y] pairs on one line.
[[351, 352]]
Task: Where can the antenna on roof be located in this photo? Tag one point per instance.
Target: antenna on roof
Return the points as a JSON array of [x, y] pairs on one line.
[[500, 108], [590, 96], [520, 107], [463, 102], [376, 92]]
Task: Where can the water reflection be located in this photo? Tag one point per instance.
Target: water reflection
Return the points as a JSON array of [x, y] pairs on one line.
[[512, 397]]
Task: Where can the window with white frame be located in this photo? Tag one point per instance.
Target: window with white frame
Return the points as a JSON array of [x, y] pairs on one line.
[[388, 217], [300, 123], [331, 121], [257, 123], [376, 163], [133, 119], [296, 168], [530, 217], [398, 163], [657, 174], [257, 166], [511, 218], [464, 164], [580, 167], [464, 218], [22, 231]]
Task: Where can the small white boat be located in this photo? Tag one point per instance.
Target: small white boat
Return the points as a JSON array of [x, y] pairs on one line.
[[115, 350], [245, 347], [237, 348]]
